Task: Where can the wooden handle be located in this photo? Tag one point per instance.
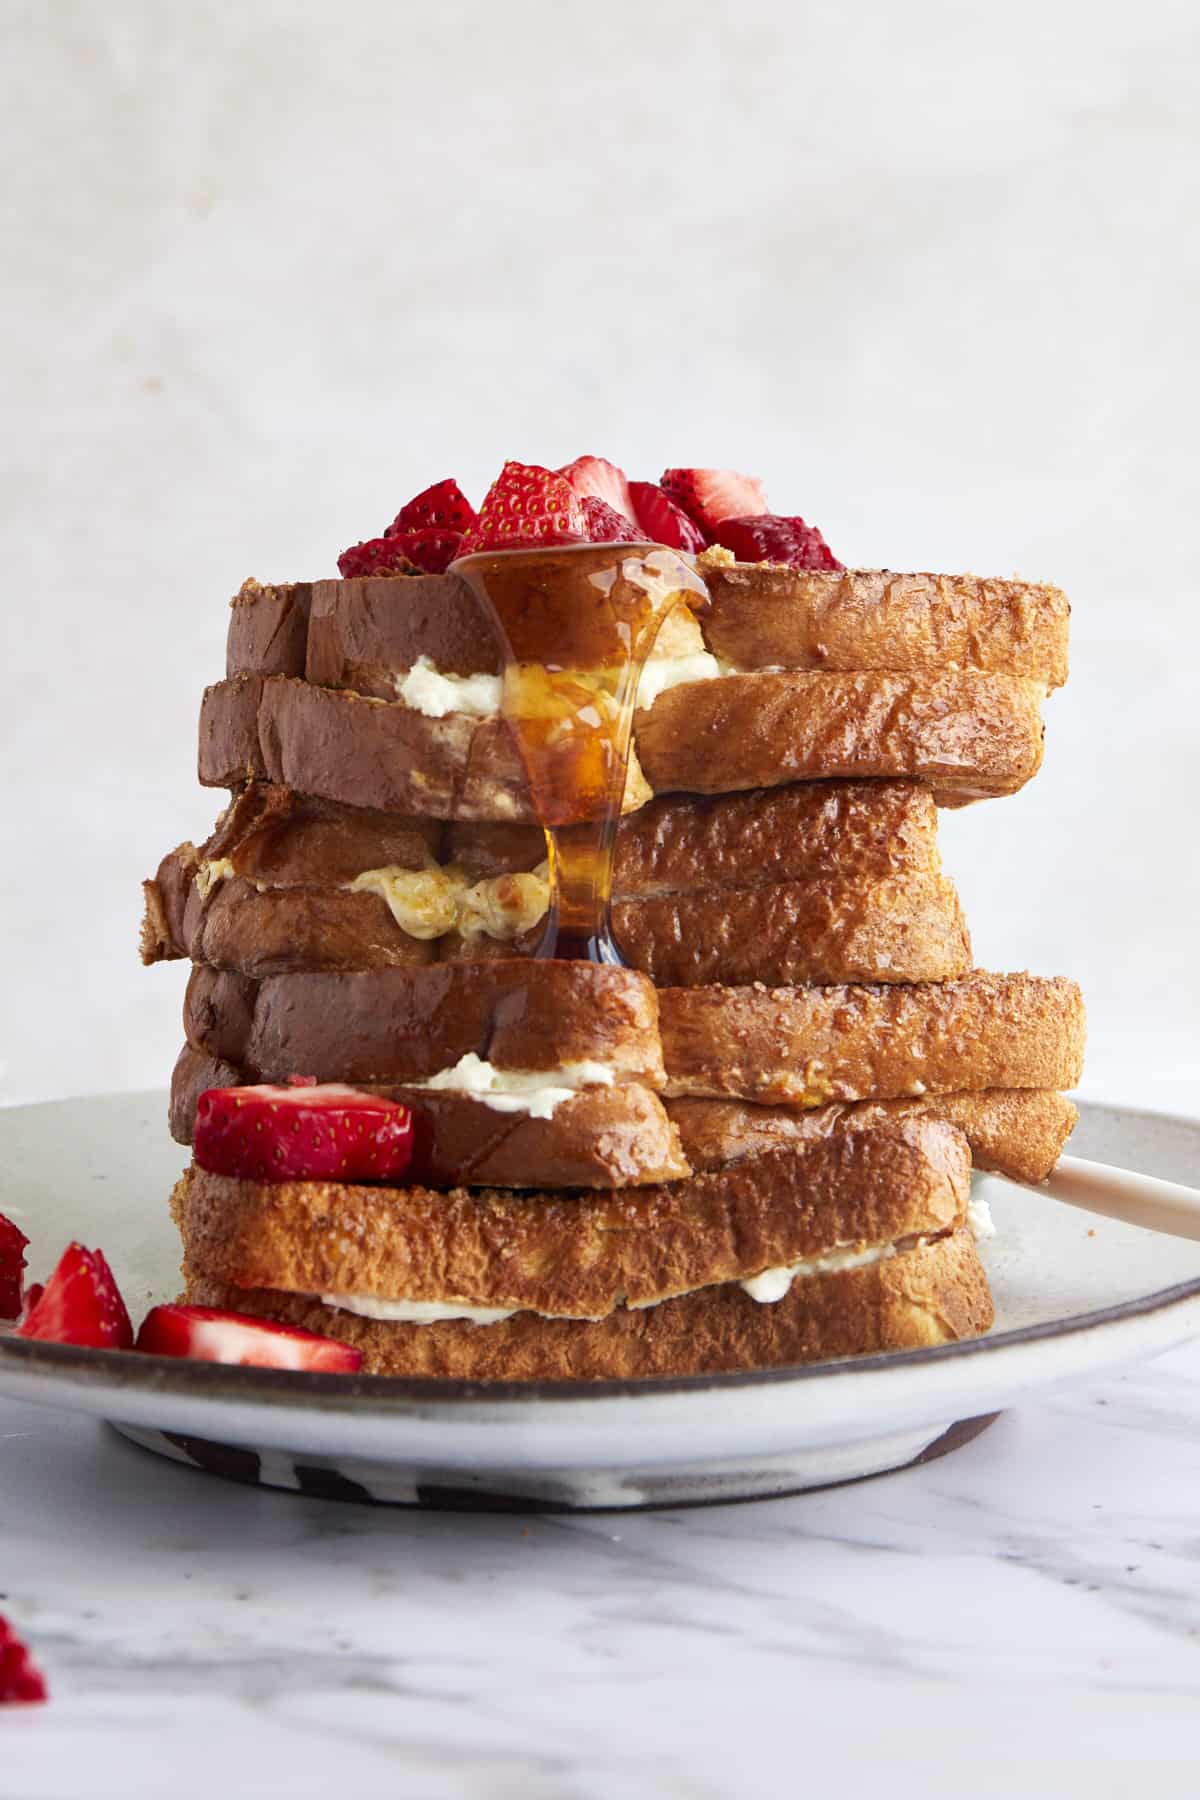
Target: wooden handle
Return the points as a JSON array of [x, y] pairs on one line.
[[1142, 1200]]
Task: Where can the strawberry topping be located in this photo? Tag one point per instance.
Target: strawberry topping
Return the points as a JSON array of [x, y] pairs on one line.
[[12, 1267], [710, 495], [432, 549], [527, 505], [594, 479], [769, 538], [80, 1304], [206, 1334], [443, 505], [662, 521], [21, 1681], [377, 556], [604, 526], [323, 1133]]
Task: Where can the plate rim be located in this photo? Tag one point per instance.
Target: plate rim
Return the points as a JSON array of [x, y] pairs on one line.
[[383, 1395]]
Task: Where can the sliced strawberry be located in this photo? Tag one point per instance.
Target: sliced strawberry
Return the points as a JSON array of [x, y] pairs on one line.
[[206, 1334], [527, 504], [324, 1133], [432, 550], [33, 1294], [21, 1681], [710, 495], [80, 1304], [377, 556], [443, 505], [767, 537], [12, 1268], [593, 478], [662, 521], [604, 526]]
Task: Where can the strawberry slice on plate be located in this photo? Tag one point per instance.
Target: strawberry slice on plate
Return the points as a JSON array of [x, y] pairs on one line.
[[662, 521], [594, 479], [12, 1268], [21, 1681], [80, 1304], [527, 505], [767, 537], [319, 1133], [207, 1334], [443, 507], [710, 495]]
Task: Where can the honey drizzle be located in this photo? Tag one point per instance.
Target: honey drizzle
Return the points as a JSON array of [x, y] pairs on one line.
[[576, 625]]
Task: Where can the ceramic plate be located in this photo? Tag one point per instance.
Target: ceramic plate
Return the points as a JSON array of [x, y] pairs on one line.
[[1076, 1296]]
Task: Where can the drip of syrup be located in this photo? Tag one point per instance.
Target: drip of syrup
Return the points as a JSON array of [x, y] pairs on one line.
[[576, 624]]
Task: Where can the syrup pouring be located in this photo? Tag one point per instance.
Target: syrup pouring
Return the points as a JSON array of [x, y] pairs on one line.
[[576, 624]]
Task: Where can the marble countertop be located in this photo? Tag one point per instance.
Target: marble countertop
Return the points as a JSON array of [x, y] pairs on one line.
[[1021, 1617]]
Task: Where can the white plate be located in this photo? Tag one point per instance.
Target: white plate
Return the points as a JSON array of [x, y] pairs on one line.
[[1076, 1296]]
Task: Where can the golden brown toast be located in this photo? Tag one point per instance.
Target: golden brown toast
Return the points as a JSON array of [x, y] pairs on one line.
[[360, 633], [1019, 1132], [406, 1024], [578, 1255], [923, 1297], [806, 1046], [762, 616], [968, 735]]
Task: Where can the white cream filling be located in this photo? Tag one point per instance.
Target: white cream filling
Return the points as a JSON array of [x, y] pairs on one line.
[[415, 1312], [536, 1092], [774, 1284], [980, 1222], [427, 690]]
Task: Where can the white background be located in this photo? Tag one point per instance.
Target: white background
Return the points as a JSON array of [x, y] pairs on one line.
[[930, 269]]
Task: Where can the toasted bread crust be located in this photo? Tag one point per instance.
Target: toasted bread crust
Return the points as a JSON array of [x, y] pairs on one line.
[[268, 628], [807, 1046], [365, 752], [923, 1297], [1019, 1132], [406, 1024], [968, 735], [761, 616], [579, 1255], [900, 929]]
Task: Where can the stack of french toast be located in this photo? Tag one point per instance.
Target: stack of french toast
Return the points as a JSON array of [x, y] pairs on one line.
[[752, 1144]]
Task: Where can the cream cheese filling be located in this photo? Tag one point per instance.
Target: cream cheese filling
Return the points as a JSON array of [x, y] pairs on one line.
[[536, 1092], [767, 1288], [429, 690]]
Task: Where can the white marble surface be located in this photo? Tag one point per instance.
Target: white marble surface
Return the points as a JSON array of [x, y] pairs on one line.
[[1022, 1617]]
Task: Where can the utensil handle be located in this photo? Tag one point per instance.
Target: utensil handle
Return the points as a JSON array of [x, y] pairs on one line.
[[1156, 1205]]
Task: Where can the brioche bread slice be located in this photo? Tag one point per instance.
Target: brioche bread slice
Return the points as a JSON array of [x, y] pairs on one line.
[[600, 1137], [763, 616], [822, 882], [1019, 1132], [578, 1256], [806, 1046], [361, 633], [407, 1024], [968, 735], [366, 752], [908, 928], [929, 1295]]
